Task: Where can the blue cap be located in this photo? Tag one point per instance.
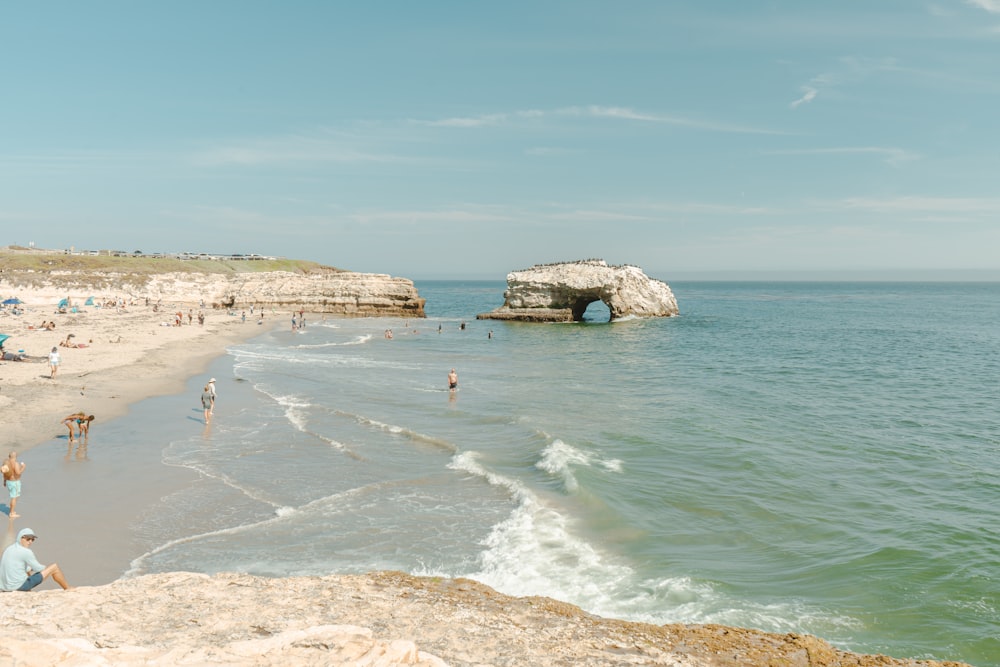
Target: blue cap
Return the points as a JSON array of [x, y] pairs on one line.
[[26, 532]]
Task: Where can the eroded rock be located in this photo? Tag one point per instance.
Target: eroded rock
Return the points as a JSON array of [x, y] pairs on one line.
[[561, 292], [343, 293]]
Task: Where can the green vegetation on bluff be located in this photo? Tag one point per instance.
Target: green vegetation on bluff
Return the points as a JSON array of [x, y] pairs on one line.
[[25, 260]]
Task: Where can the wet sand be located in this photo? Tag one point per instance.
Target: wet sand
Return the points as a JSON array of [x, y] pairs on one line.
[[82, 497]]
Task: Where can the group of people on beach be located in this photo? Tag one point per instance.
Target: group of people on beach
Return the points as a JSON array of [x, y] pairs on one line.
[[20, 569]]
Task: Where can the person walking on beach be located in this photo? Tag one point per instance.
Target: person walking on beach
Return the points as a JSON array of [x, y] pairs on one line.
[[452, 380], [206, 403], [211, 388], [12, 470], [53, 362], [20, 569]]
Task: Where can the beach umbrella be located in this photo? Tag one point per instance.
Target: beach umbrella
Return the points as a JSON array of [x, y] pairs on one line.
[[13, 301], [3, 337], [89, 301], [63, 303]]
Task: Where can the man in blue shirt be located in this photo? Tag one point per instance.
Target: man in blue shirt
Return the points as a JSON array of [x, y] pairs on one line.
[[21, 571]]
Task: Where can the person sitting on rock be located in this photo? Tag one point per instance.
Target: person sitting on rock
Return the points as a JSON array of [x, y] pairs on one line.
[[21, 571]]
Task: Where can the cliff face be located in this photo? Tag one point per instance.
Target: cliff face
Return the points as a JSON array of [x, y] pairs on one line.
[[561, 293], [336, 292]]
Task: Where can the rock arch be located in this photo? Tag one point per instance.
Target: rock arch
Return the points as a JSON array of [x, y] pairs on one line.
[[562, 291]]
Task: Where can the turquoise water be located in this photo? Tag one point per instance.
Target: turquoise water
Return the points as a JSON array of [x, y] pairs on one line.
[[793, 457]]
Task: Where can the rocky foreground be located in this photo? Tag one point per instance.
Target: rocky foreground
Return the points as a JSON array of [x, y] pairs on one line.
[[385, 618]]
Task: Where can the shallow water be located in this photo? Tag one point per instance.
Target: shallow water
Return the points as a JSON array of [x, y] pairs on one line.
[[814, 457]]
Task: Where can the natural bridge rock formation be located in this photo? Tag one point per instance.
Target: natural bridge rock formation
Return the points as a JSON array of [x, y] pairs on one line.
[[561, 293]]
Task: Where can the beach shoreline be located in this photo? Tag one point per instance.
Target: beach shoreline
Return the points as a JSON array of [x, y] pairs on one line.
[[394, 618], [84, 496], [125, 356]]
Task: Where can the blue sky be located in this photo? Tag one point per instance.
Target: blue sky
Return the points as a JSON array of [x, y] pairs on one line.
[[469, 139]]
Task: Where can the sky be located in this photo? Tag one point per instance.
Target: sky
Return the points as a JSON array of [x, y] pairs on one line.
[[457, 139]]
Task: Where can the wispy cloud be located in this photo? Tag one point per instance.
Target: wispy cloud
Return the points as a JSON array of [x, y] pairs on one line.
[[992, 6], [932, 205], [72, 161], [468, 214], [549, 151], [289, 150], [629, 114], [484, 120], [616, 113], [471, 121], [808, 95], [849, 69], [893, 156]]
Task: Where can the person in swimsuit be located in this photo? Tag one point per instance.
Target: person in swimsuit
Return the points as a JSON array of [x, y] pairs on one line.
[[452, 380], [12, 469], [74, 419], [83, 423]]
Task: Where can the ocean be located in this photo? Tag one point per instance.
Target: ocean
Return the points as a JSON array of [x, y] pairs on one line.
[[817, 458]]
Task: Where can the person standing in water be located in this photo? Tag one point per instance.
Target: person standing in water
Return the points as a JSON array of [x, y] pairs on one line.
[[211, 388], [452, 380], [206, 402]]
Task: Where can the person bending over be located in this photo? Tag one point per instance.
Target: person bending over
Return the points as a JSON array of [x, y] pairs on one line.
[[75, 419], [84, 426]]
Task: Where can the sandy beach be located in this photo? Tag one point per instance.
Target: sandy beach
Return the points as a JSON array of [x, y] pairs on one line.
[[125, 355]]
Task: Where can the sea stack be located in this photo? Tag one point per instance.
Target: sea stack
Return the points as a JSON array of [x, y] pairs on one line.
[[562, 291]]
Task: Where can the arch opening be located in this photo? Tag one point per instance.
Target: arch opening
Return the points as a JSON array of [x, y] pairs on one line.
[[595, 311]]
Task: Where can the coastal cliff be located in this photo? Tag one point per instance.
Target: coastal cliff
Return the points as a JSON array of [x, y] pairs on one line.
[[562, 291], [277, 285], [375, 619]]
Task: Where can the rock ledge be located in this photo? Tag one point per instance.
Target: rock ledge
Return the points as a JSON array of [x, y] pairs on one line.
[[377, 619]]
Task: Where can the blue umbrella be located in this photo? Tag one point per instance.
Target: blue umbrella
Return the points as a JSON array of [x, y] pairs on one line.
[[3, 337], [12, 301]]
